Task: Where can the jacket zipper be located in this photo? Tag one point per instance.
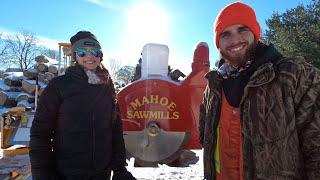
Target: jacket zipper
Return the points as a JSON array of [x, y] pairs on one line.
[[93, 140]]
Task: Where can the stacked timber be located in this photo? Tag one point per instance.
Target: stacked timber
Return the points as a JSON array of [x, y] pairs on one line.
[[18, 88], [47, 68]]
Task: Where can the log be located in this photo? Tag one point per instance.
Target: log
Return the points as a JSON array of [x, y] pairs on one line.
[[41, 76], [30, 73], [13, 81], [15, 89], [3, 98], [8, 99], [53, 69], [24, 96], [42, 67], [1, 74], [49, 76], [26, 104], [45, 59], [41, 59], [5, 87], [29, 86]]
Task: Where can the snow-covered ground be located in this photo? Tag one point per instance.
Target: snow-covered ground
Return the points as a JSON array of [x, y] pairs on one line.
[[164, 172]]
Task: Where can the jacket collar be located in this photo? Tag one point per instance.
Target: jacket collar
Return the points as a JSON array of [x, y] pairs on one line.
[[264, 70], [77, 73], [263, 74]]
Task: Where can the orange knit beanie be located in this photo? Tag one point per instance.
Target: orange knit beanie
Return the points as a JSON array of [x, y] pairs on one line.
[[236, 13]]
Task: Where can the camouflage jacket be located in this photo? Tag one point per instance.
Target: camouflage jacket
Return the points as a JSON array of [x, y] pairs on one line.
[[280, 121]]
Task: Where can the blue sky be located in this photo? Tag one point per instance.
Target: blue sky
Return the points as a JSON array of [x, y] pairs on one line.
[[124, 26]]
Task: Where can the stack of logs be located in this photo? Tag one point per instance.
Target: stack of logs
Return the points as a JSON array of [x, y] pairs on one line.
[[18, 89]]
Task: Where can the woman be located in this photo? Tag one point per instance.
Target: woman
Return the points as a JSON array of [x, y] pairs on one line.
[[77, 131]]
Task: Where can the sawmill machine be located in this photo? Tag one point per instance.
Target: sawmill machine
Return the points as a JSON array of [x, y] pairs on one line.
[[160, 116]]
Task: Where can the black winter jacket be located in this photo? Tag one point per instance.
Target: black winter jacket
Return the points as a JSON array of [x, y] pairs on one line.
[[77, 128]]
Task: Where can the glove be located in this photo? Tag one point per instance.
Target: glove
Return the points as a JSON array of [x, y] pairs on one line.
[[122, 174]]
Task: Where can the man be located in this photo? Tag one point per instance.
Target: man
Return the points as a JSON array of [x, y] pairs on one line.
[[260, 116], [77, 132]]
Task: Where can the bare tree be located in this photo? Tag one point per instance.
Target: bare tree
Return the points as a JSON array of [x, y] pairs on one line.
[[51, 53], [113, 66], [125, 74], [3, 49], [22, 49]]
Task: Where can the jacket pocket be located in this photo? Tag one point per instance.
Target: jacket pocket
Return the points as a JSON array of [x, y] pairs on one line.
[[268, 116]]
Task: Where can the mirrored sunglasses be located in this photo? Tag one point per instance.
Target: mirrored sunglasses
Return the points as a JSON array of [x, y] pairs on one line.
[[81, 52]]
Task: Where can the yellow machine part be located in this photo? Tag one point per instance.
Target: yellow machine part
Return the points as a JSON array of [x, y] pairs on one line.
[[14, 159]]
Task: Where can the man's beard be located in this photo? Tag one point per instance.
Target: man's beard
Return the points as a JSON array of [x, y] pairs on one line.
[[240, 59]]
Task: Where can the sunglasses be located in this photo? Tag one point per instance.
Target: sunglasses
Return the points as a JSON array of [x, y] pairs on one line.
[[81, 52]]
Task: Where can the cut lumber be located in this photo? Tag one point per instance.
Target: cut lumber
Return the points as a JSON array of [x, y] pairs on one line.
[[53, 68], [25, 103], [3, 98], [41, 76], [29, 86], [24, 96], [8, 98], [45, 59], [41, 59], [42, 67], [49, 76], [30, 73], [13, 80]]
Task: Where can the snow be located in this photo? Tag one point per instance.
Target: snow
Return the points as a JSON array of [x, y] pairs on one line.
[[11, 95], [26, 94], [3, 86], [52, 61], [164, 172], [3, 109], [15, 77], [25, 103], [15, 74]]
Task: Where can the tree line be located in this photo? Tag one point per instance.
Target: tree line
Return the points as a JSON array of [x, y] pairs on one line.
[[296, 32]]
